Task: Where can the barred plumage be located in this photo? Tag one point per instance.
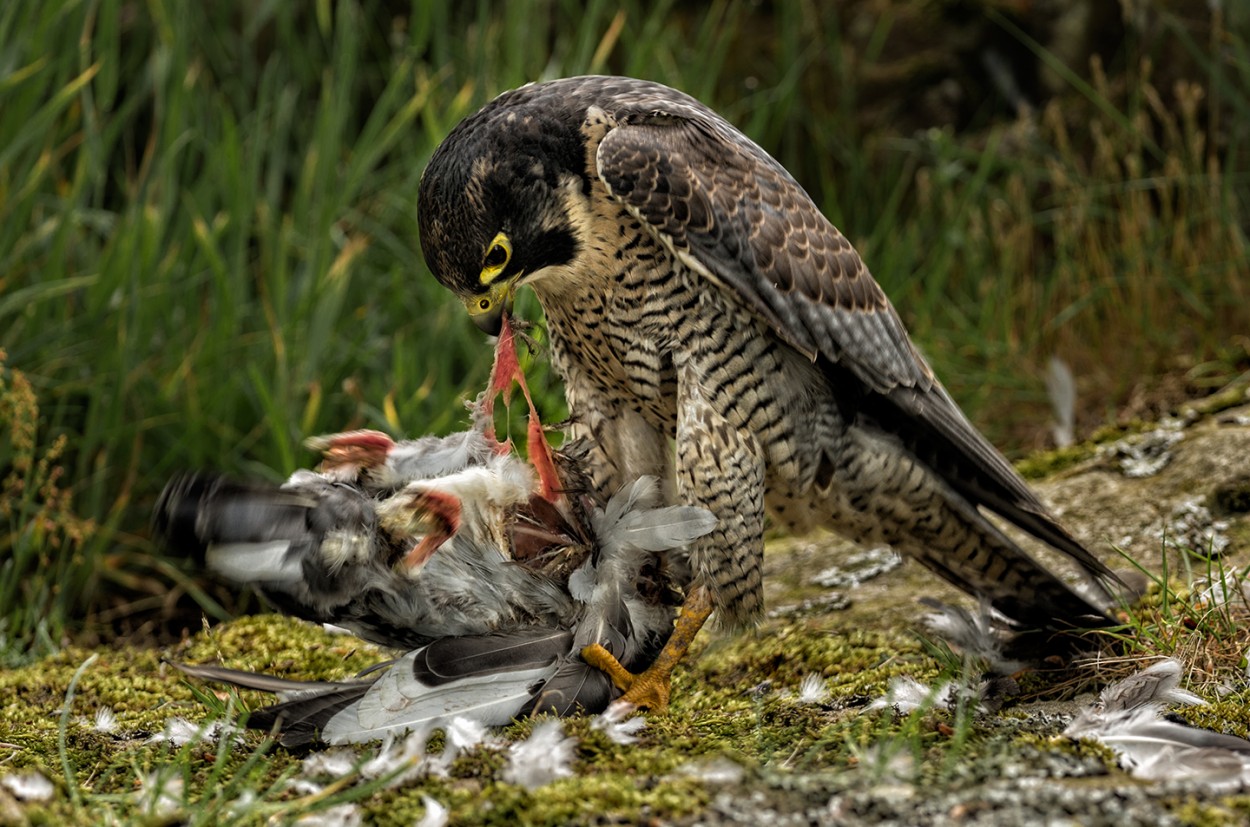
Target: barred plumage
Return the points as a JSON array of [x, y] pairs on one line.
[[694, 291]]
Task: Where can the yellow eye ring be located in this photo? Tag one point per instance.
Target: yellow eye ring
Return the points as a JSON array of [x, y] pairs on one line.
[[498, 254], [483, 304]]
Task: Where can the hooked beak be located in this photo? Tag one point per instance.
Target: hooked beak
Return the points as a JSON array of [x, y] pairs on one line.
[[490, 322]]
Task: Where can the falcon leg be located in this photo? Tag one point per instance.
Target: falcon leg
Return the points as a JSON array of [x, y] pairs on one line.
[[651, 688], [720, 467]]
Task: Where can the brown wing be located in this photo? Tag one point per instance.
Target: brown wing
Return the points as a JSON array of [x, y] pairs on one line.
[[736, 212], [736, 216]]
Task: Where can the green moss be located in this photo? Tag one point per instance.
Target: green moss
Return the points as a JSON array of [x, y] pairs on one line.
[[1048, 463], [1199, 813], [1217, 402], [281, 646], [735, 699]]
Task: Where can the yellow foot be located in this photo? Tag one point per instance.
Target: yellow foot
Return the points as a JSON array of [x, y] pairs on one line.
[[651, 689], [647, 690]]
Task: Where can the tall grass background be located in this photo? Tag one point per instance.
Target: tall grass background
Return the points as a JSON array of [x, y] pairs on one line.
[[208, 246]]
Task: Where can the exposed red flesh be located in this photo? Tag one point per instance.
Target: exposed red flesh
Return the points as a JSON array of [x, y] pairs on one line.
[[443, 511], [505, 371], [349, 453]]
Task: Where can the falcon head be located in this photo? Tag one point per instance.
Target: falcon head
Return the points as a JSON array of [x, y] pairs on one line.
[[492, 200]]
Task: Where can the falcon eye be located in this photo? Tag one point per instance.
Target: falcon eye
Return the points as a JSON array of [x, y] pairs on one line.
[[483, 303], [497, 256]]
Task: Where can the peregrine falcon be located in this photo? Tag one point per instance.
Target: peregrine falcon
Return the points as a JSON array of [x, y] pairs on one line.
[[714, 329]]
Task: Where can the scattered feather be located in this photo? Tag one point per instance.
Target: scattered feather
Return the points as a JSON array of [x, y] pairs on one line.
[[908, 694], [303, 786], [105, 720], [718, 770], [983, 635], [436, 814], [463, 734], [812, 690], [1219, 770], [1061, 388], [332, 763], [160, 793], [402, 760], [32, 787], [1126, 718], [179, 732], [617, 725], [546, 756], [1158, 685]]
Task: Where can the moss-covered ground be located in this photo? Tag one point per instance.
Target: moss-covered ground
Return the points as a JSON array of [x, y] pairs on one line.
[[739, 740], [751, 736]]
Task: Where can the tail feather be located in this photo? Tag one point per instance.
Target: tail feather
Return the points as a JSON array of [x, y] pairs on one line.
[[576, 687], [456, 658], [303, 721], [1015, 584], [934, 430], [284, 688]]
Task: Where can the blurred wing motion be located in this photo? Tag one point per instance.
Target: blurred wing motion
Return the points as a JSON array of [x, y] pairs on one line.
[[401, 543], [496, 608]]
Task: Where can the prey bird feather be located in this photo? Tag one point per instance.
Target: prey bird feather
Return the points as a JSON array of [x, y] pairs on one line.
[[1128, 718], [494, 625], [694, 293]]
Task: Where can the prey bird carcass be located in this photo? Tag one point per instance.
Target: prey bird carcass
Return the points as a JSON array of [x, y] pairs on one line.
[[491, 574]]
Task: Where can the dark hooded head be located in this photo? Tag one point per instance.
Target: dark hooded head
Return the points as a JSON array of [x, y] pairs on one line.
[[490, 208]]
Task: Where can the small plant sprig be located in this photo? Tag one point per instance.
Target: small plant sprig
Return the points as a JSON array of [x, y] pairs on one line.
[[41, 535]]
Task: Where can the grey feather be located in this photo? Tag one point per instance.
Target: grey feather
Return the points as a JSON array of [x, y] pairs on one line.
[[501, 670], [325, 548], [980, 635], [1135, 733], [1127, 719], [1152, 687], [284, 688]]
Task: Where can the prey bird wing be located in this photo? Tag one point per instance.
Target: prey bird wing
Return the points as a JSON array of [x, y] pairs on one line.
[[736, 217], [486, 678], [330, 547]]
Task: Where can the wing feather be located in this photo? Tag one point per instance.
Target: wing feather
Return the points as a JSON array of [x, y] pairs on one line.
[[749, 226], [736, 217]]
